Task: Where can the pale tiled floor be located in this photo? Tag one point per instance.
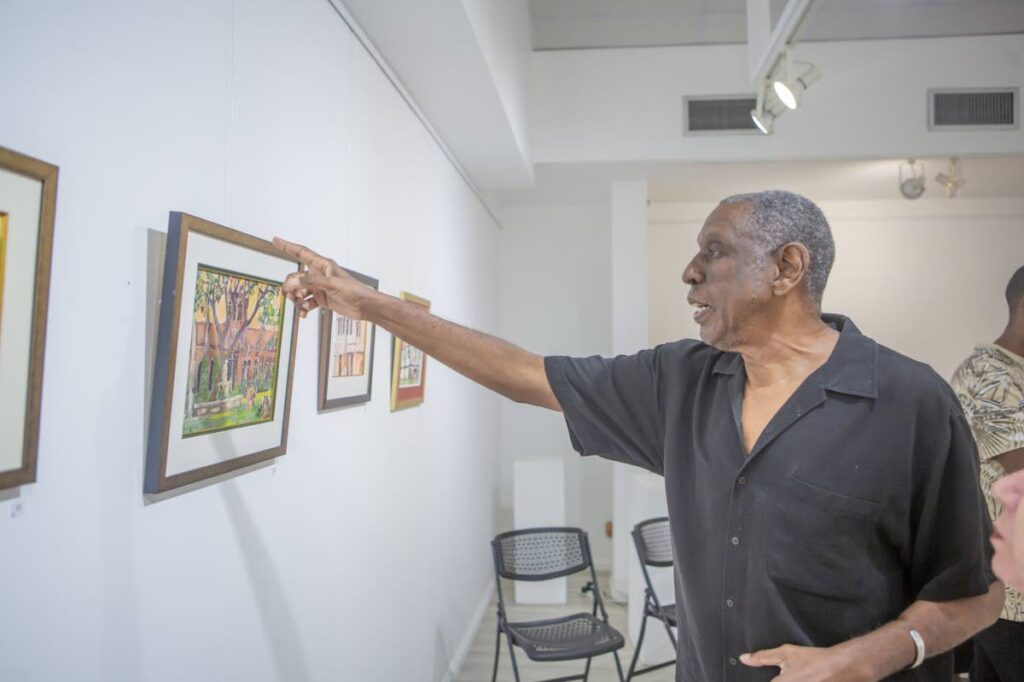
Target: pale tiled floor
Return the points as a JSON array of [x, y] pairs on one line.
[[480, 659]]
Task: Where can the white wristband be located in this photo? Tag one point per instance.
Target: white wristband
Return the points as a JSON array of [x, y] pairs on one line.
[[919, 645]]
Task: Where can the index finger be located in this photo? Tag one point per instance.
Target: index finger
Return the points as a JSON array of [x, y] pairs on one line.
[[305, 255], [757, 659]]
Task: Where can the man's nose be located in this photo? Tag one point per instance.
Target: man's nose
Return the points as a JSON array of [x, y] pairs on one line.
[[692, 275]]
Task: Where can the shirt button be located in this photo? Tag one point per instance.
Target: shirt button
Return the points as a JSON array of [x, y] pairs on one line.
[[743, 480], [735, 540], [730, 603], [733, 661]]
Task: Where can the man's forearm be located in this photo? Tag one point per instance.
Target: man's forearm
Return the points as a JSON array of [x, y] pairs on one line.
[[942, 625], [496, 364]]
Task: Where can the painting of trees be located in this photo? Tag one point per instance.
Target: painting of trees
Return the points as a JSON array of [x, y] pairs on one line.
[[236, 327]]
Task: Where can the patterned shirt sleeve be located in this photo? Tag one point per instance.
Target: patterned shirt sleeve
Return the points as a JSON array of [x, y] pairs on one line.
[[992, 394]]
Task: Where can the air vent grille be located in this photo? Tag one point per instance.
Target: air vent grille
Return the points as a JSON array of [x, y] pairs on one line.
[[719, 114], [988, 109]]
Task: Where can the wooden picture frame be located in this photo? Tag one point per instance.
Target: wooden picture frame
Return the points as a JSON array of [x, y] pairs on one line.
[[225, 355], [408, 367], [28, 204], [347, 350]]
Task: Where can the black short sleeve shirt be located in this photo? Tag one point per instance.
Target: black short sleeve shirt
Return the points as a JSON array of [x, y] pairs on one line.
[[860, 497]]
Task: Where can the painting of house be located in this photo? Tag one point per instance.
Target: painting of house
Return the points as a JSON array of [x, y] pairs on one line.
[[348, 347], [235, 352]]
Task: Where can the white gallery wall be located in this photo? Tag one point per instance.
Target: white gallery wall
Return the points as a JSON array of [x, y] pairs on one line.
[[555, 300], [360, 555], [925, 278]]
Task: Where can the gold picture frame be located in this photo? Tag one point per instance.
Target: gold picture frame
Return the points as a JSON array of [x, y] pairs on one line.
[[408, 367], [28, 200]]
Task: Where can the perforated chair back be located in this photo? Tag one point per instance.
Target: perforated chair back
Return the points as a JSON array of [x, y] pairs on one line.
[[654, 542], [540, 553]]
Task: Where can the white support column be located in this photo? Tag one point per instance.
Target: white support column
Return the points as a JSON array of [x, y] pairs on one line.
[[629, 334], [539, 492]]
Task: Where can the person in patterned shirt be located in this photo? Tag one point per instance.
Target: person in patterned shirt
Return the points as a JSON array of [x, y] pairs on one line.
[[990, 385]]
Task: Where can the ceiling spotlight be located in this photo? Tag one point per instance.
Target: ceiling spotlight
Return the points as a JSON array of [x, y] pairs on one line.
[[790, 86], [913, 186], [764, 120], [765, 112], [952, 180]]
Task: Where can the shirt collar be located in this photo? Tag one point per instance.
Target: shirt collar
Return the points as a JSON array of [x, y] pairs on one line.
[[852, 368]]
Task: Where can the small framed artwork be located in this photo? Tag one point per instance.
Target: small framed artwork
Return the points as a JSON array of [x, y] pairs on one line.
[[225, 355], [346, 357], [28, 203], [408, 367]]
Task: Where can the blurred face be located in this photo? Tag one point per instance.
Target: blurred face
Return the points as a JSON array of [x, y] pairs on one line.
[[729, 291], [1008, 538]]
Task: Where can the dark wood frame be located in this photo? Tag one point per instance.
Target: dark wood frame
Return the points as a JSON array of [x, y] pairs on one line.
[[179, 228], [396, 362], [47, 174], [326, 320]]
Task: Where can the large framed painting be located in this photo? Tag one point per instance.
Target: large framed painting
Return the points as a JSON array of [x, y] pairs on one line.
[[346, 357], [225, 355], [28, 202], [408, 367]]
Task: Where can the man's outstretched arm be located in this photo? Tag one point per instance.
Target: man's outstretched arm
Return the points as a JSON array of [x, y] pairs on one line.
[[494, 363]]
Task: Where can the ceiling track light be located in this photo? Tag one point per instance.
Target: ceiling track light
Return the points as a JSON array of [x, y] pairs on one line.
[[912, 187], [768, 108], [789, 85], [952, 180], [763, 119]]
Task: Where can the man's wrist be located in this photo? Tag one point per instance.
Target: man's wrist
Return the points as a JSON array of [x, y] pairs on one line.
[[855, 663], [372, 303], [881, 653]]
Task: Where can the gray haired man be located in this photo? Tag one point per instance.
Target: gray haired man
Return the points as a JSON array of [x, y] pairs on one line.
[[822, 490]]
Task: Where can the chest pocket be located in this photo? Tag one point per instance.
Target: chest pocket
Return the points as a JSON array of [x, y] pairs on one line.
[[818, 545]]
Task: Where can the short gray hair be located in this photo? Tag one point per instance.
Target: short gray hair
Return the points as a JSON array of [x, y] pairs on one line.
[[778, 218]]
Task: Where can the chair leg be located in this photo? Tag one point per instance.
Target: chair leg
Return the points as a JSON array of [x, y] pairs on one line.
[[618, 666], [671, 637], [586, 671], [497, 652], [512, 655], [636, 653]]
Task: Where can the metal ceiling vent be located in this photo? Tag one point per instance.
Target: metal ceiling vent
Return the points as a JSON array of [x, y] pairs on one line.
[[718, 114], [974, 109]]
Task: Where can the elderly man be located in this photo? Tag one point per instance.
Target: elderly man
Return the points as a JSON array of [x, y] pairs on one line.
[[990, 386], [822, 489]]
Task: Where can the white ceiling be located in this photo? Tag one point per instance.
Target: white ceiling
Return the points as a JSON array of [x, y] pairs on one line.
[[574, 24], [669, 182]]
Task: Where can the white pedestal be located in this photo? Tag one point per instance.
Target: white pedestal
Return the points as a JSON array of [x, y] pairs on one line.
[[646, 497], [539, 500]]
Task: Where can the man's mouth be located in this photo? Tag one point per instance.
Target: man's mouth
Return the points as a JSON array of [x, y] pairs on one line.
[[700, 311]]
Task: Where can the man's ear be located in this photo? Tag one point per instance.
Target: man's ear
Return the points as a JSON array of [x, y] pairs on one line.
[[791, 261]]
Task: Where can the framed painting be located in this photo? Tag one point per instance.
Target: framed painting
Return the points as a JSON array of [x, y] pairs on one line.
[[408, 367], [28, 203], [225, 355], [346, 357]]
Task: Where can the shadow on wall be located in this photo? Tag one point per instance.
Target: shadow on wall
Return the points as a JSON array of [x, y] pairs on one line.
[[268, 593]]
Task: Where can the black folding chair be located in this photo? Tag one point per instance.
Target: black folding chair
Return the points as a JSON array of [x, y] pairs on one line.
[[541, 554], [654, 548]]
